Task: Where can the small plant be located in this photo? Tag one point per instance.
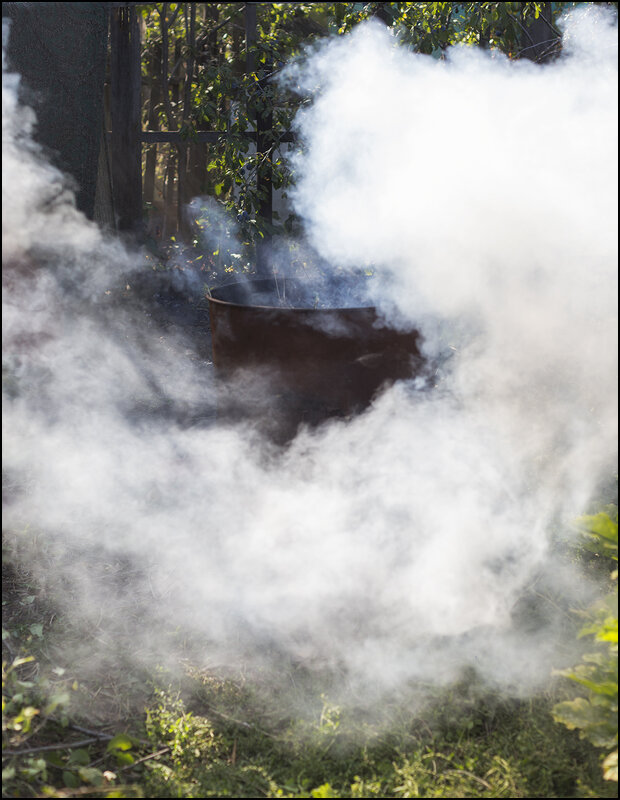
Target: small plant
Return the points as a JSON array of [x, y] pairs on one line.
[[596, 714], [43, 753]]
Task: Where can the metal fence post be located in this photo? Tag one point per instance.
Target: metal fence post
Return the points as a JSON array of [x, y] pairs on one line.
[[264, 125]]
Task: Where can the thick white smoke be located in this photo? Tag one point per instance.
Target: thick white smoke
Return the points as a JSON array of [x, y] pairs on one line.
[[484, 192], [397, 545]]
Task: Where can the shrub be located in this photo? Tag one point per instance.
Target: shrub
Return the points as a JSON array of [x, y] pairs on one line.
[[596, 714]]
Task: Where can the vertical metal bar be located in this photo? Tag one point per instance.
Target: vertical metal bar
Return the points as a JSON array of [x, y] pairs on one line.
[[264, 140], [125, 85], [264, 124]]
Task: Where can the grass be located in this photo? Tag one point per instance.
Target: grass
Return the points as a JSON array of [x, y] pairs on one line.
[[225, 739], [124, 732]]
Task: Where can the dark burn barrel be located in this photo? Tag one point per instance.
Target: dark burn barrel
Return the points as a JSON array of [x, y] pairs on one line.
[[283, 363]]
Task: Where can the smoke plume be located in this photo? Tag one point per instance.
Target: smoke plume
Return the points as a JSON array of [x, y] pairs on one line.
[[397, 545]]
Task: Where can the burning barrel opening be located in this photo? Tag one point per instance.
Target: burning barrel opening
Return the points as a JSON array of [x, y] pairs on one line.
[[282, 362]]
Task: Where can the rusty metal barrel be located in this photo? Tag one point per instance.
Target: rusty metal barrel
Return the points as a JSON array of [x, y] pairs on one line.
[[283, 363]]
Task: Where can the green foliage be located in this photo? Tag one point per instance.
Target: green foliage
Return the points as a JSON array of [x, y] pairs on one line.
[[44, 752], [431, 28], [218, 750], [27, 703], [201, 762], [36, 761], [595, 716]]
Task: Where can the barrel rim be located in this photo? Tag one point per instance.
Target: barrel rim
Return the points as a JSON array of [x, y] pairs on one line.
[[370, 309]]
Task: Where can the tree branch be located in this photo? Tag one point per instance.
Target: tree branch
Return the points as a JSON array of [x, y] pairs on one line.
[[226, 21], [161, 752], [59, 746]]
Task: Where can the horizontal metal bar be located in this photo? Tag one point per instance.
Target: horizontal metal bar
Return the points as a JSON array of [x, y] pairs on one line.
[[174, 136], [213, 137]]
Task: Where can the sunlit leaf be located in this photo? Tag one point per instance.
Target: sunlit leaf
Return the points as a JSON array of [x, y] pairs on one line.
[[91, 775], [120, 742], [610, 767]]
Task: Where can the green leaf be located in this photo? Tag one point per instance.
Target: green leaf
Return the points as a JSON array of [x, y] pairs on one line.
[[120, 742], [55, 760], [58, 700], [602, 531], [80, 757], [610, 767], [70, 779], [595, 723], [35, 767], [598, 687], [325, 790], [91, 775], [608, 633]]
